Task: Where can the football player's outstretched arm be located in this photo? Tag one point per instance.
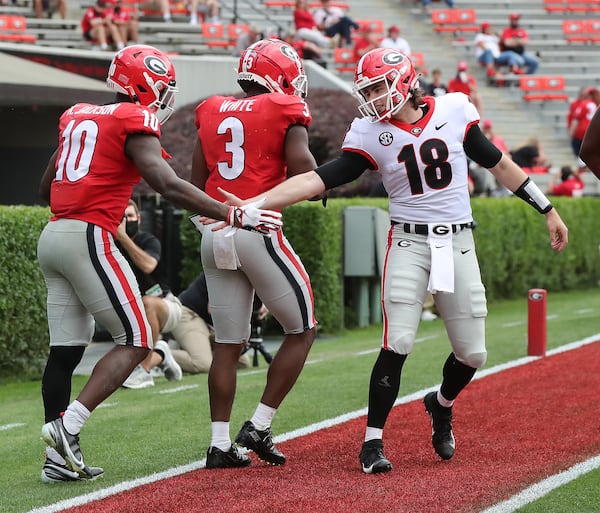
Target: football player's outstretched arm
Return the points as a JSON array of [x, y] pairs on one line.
[[295, 189], [590, 146], [479, 148], [146, 152]]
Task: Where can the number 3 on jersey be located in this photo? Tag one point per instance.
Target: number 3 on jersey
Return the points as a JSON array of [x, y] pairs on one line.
[[234, 129]]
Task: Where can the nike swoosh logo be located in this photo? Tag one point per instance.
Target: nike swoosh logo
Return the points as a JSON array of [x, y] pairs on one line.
[[463, 251], [437, 127]]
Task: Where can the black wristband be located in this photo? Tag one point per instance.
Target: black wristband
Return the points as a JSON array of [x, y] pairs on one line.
[[531, 194]]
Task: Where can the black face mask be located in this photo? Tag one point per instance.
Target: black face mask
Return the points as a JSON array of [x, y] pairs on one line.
[[131, 227]]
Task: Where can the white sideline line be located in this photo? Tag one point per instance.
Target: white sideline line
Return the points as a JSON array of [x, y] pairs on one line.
[[176, 471], [6, 427], [544, 487]]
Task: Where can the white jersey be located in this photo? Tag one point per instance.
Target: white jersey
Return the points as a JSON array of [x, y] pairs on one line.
[[427, 182]]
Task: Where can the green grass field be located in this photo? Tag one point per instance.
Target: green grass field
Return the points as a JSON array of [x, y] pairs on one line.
[[139, 432]]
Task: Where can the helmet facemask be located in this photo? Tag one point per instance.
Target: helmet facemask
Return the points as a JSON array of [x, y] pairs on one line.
[[390, 71], [164, 92]]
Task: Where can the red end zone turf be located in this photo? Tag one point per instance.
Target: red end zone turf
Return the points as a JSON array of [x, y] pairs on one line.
[[513, 429]]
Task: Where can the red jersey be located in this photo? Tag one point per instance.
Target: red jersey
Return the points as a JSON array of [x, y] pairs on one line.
[[572, 186], [583, 114], [303, 19], [243, 140], [94, 178], [90, 14], [456, 85]]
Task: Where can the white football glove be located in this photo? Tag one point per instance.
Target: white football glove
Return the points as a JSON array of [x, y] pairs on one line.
[[251, 217]]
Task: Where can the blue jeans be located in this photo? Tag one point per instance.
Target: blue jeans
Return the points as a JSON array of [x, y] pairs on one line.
[[531, 62], [425, 3], [342, 28], [508, 58]]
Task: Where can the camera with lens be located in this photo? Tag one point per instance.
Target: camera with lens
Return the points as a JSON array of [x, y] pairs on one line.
[[257, 328]]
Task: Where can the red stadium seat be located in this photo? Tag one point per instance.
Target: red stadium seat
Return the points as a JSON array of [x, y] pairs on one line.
[[213, 35], [582, 31], [344, 60], [543, 88], [454, 20], [559, 6], [12, 29]]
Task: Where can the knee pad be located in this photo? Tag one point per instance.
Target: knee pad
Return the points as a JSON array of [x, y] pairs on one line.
[[474, 360], [402, 344]]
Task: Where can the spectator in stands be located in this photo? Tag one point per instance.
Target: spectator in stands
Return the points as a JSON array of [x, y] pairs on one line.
[[366, 42], [246, 39], [581, 117], [498, 141], [436, 87], [581, 96], [530, 156], [465, 83], [306, 27], [208, 9], [157, 5], [425, 4], [305, 49], [126, 23], [332, 21], [98, 28], [49, 7], [570, 183], [484, 183], [515, 38], [393, 40], [590, 146], [488, 54]]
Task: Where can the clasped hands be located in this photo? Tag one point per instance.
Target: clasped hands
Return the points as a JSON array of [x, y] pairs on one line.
[[247, 216]]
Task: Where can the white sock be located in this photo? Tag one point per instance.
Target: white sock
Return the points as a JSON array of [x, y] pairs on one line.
[[372, 433], [263, 416], [220, 435], [167, 16], [52, 454], [443, 401], [104, 46], [75, 417]]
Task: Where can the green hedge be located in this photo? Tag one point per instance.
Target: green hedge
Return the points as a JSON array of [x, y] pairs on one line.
[[23, 326], [511, 238]]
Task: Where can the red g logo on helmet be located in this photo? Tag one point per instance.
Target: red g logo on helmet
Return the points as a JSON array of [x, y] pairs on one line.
[[146, 76]]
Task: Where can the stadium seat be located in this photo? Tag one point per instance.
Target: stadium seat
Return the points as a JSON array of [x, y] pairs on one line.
[[235, 30], [582, 31], [583, 6], [543, 88], [454, 20], [556, 6], [12, 29], [344, 60], [213, 35]]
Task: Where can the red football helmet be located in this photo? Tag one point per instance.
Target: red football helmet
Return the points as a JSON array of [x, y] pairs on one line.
[[393, 70], [275, 65], [147, 76]]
